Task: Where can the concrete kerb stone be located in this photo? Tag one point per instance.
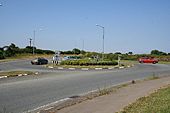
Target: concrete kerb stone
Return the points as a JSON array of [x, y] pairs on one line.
[[60, 68], [98, 68], [121, 67], [111, 68], [85, 69], [25, 74], [3, 77], [36, 73], [72, 68], [20, 75], [50, 67]]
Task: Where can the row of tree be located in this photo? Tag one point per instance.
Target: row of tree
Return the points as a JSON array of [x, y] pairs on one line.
[[12, 50], [157, 52]]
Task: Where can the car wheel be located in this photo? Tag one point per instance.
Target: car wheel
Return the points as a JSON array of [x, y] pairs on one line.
[[154, 62]]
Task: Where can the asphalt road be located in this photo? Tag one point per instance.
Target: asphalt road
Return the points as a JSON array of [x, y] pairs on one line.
[[20, 94]]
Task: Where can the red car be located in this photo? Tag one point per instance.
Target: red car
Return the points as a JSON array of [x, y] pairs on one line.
[[148, 60]]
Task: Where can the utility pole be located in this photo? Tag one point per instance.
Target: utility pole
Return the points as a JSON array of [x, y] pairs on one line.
[[30, 41], [34, 42], [83, 46], [103, 39]]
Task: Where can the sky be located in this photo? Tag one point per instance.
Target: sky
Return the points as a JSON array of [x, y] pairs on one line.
[[137, 26]]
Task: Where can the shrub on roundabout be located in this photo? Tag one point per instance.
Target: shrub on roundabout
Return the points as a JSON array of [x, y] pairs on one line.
[[88, 63]]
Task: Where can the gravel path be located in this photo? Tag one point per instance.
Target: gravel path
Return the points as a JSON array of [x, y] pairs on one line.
[[118, 100]]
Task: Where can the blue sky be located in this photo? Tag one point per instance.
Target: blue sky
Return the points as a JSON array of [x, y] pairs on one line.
[[130, 25]]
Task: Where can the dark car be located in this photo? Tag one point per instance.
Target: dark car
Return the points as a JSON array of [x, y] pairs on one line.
[[39, 61]]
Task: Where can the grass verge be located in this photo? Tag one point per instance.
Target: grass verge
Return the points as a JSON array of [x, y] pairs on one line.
[[163, 62], [16, 73], [25, 56], [158, 102]]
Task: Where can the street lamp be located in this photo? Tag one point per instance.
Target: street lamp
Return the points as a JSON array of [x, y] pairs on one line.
[[103, 40], [34, 40]]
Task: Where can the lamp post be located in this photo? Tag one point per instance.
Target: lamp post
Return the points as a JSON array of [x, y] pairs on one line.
[[34, 40], [103, 40], [33, 43]]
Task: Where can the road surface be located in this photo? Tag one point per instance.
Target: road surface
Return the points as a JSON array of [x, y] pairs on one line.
[[21, 94]]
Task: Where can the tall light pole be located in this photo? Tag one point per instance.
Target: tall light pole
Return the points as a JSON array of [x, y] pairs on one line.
[[34, 40], [33, 51], [83, 45], [103, 40]]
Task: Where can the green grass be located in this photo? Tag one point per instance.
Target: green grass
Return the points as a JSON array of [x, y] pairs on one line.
[[25, 56], [158, 102], [15, 73], [128, 62], [164, 62]]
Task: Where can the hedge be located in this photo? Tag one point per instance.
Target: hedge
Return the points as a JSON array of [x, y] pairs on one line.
[[87, 62]]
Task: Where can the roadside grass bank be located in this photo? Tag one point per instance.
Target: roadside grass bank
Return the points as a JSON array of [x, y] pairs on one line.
[[129, 62], [158, 102], [16, 73], [25, 56], [164, 62]]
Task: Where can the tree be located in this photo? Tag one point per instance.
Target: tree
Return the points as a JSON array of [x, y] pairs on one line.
[[130, 53], [83, 52], [76, 51], [157, 52], [118, 53], [2, 54]]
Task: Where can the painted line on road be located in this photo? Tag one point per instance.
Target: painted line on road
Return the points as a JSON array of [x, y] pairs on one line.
[[47, 106]]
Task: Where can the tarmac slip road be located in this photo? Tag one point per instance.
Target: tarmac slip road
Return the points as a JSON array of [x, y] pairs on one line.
[[19, 95]]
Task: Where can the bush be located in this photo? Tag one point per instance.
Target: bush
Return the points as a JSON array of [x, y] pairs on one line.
[[1, 55], [87, 62]]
